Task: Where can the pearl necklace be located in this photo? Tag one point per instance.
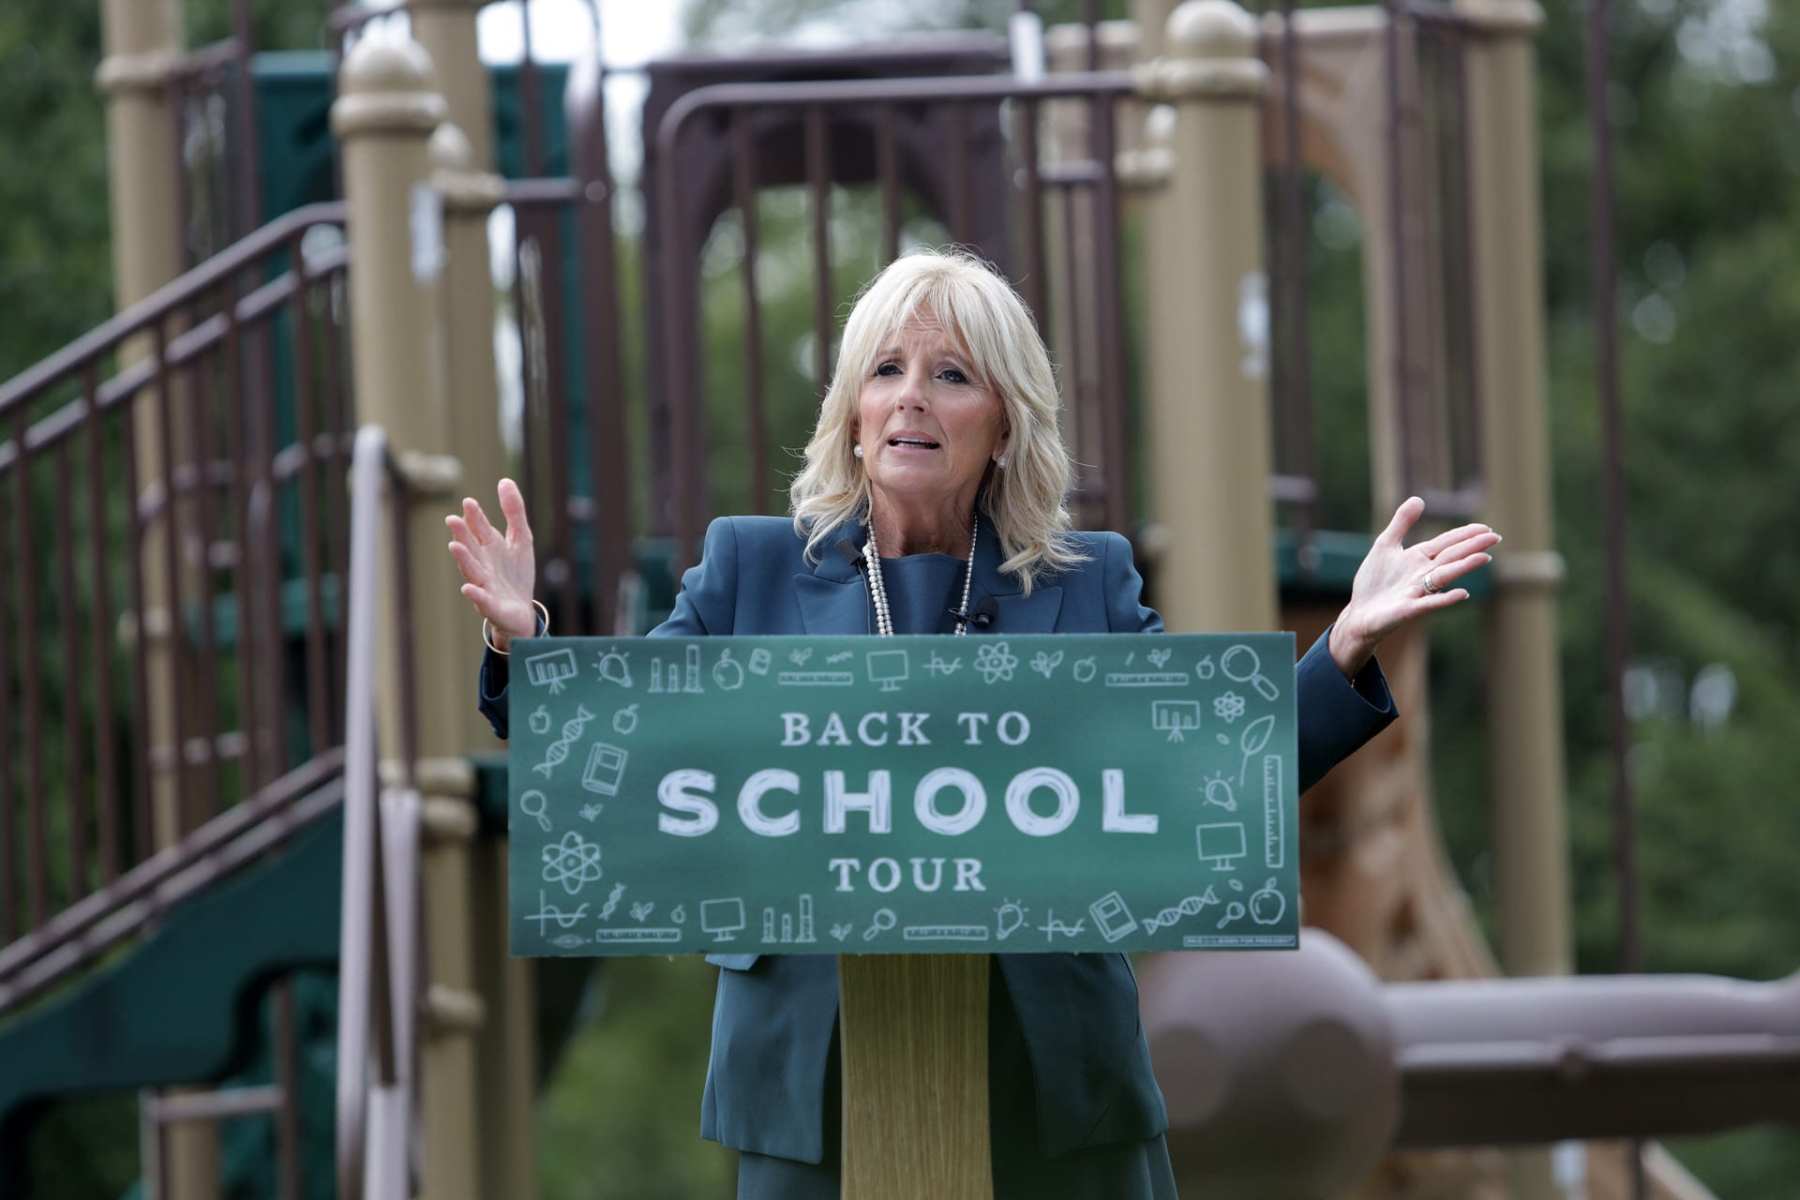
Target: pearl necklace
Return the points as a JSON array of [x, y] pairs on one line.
[[884, 620]]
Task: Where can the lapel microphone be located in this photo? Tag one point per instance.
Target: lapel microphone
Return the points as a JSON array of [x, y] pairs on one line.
[[982, 617], [848, 549]]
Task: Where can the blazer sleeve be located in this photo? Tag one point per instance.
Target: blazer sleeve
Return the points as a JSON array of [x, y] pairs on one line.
[[1337, 715], [706, 605]]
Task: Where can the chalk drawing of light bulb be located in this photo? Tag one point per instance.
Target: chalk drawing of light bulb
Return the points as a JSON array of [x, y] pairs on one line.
[[1219, 793], [614, 667]]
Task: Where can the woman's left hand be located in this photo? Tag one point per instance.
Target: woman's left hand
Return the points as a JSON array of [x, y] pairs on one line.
[[1397, 583]]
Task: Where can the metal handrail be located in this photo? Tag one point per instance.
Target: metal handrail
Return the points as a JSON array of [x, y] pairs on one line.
[[81, 934], [378, 947], [178, 293]]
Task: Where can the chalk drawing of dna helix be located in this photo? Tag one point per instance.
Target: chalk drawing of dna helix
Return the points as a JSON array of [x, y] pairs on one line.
[[1190, 907], [558, 750]]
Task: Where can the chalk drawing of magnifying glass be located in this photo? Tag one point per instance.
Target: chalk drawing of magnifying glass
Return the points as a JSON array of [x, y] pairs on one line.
[[1241, 664], [532, 804], [884, 921]]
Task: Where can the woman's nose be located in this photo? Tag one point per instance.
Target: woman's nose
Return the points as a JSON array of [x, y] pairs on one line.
[[915, 392]]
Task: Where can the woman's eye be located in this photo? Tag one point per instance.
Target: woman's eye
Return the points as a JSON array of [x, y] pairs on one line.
[[954, 375], [888, 368]]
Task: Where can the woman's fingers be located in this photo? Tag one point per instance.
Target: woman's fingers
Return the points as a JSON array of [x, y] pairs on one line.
[[476, 518], [1457, 551], [1437, 546], [512, 507], [470, 564], [1442, 573], [1403, 519], [459, 529]]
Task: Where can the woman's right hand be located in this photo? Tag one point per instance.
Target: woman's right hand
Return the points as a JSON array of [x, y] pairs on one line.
[[498, 569]]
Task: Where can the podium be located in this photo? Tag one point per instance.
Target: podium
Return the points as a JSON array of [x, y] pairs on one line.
[[913, 1032]]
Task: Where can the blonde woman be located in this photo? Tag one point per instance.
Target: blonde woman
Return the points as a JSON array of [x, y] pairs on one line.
[[932, 501]]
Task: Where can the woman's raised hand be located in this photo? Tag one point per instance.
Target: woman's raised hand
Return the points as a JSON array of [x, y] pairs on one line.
[[1397, 583], [498, 569]]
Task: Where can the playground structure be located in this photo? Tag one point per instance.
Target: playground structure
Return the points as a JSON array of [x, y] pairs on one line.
[[247, 756]]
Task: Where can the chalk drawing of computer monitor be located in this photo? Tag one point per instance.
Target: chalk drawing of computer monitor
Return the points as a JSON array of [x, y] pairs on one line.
[[1221, 845], [722, 918], [888, 668]]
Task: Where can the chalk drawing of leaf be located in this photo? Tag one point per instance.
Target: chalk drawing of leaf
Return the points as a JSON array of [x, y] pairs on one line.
[[1256, 734]]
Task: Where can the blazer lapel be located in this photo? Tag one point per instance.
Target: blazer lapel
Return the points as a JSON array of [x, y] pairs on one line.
[[834, 597], [1013, 611]]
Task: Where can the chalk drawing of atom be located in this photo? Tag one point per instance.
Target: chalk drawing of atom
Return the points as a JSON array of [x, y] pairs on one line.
[[573, 862]]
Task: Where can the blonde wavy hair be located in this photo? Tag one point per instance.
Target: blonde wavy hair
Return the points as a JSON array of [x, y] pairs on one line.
[[1022, 504]]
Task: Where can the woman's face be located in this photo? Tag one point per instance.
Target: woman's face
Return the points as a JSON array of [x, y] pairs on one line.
[[927, 428]]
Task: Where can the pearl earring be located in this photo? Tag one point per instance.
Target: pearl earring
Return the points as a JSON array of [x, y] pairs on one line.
[[1000, 461], [858, 451]]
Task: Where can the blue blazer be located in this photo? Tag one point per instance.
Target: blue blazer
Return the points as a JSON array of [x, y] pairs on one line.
[[773, 1016]]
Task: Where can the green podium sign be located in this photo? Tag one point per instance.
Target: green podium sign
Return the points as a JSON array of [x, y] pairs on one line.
[[938, 795]]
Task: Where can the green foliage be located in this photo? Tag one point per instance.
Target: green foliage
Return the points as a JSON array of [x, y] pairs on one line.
[[620, 1116]]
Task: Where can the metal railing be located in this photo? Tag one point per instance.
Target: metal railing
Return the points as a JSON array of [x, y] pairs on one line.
[[379, 960], [180, 547], [1038, 192]]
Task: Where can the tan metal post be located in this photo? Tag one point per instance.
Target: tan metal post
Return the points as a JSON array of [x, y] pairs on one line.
[[446, 28], [143, 44], [466, 306], [1524, 702], [384, 118], [1208, 396], [143, 40], [507, 1054]]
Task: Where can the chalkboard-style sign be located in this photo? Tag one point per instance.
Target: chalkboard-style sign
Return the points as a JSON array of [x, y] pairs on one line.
[[848, 795]]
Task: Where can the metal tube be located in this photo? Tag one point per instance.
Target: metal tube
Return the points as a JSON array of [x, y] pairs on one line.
[[8, 852], [80, 804], [209, 796], [101, 631], [1109, 299], [37, 857], [318, 723], [608, 435], [144, 824], [547, 223], [251, 651], [1396, 177], [960, 203], [1036, 286], [887, 159], [744, 187], [1294, 362], [819, 189]]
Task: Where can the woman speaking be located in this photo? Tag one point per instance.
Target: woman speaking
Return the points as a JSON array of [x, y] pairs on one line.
[[932, 501]]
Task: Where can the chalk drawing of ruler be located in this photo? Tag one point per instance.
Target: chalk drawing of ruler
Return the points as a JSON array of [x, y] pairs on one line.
[[1146, 679], [815, 678], [625, 936], [1274, 818], [946, 933]]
